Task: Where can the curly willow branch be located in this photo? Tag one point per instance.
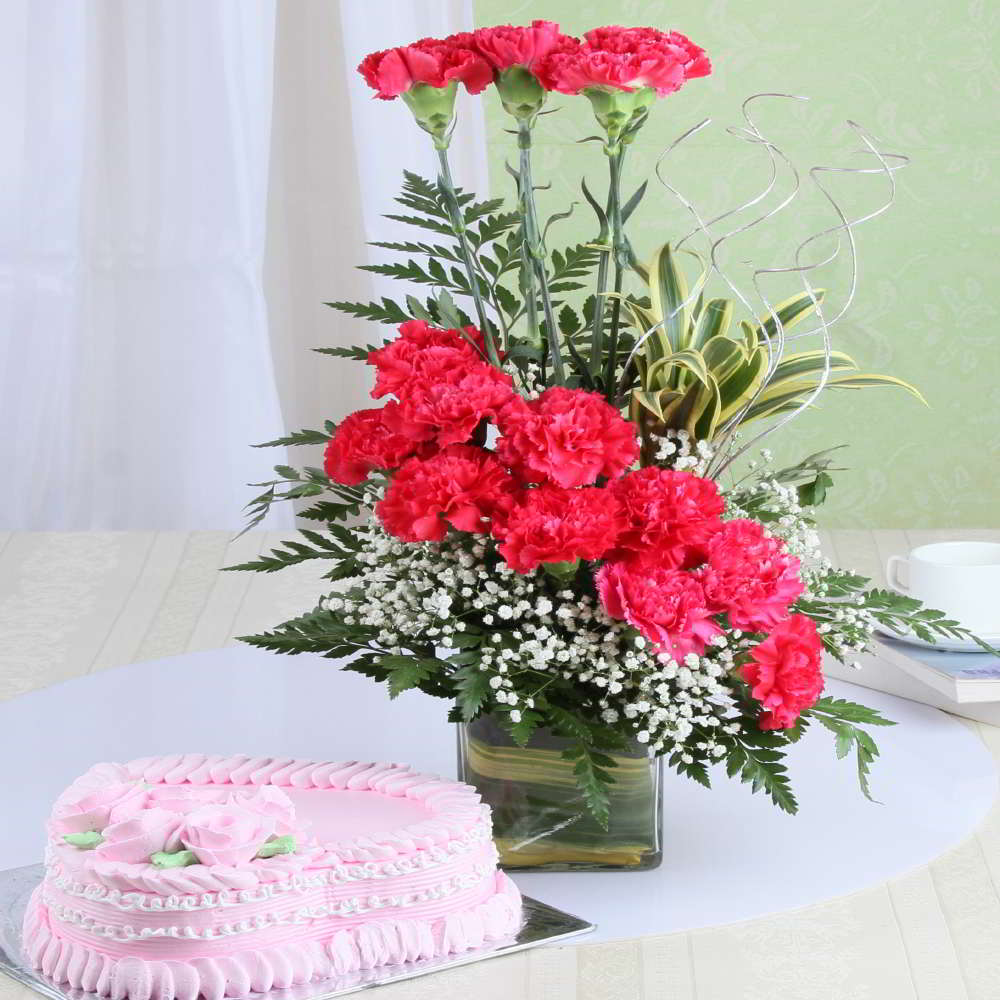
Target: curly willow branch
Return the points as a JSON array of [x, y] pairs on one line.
[[775, 342]]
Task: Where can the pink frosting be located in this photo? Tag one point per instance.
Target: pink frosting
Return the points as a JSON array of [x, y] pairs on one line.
[[362, 894], [90, 804], [226, 834], [290, 963], [269, 800], [135, 840]]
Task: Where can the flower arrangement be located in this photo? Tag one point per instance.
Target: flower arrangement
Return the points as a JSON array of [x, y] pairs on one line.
[[547, 536]]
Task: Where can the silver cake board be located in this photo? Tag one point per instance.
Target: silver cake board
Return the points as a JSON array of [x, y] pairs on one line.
[[543, 924]]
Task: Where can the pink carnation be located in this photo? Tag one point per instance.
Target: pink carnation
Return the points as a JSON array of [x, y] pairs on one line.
[[567, 436], [553, 525], [784, 672], [433, 61], [619, 58], [668, 606], [363, 442], [505, 45], [671, 516], [445, 402], [750, 577], [462, 485]]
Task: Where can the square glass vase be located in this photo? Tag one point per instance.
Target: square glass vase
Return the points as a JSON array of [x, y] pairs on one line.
[[541, 821]]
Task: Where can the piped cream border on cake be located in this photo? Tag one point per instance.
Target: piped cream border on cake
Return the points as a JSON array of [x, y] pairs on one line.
[[366, 946]]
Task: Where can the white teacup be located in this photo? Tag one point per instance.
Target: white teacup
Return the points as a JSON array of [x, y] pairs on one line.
[[961, 579]]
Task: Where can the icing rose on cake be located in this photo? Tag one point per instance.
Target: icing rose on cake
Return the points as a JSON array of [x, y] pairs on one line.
[[226, 834], [269, 801], [135, 841], [88, 804]]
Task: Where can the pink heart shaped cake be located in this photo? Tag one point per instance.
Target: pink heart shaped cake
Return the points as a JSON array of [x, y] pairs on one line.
[[194, 875]]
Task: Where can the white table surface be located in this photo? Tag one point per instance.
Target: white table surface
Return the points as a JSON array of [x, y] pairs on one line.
[[728, 855], [74, 604]]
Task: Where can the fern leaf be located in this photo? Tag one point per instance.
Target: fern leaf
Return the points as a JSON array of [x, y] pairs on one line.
[[303, 436], [385, 312]]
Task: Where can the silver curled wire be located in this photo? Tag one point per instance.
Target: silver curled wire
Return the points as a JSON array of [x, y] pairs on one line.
[[846, 226], [775, 344]]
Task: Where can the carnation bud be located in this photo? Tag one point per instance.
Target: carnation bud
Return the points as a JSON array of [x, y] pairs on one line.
[[433, 108], [562, 570], [620, 112], [520, 92]]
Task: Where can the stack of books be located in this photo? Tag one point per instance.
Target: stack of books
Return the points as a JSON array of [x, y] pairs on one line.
[[966, 684]]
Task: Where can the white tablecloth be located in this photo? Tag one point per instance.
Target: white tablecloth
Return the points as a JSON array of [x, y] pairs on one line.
[[728, 855]]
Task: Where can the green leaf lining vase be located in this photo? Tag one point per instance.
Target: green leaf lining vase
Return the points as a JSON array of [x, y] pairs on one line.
[[540, 821]]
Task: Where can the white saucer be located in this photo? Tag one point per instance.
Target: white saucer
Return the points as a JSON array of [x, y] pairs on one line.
[[947, 644]]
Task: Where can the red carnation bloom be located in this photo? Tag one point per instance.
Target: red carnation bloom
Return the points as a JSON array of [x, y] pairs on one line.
[[668, 606], [784, 672], [506, 45], [362, 443], [671, 514], [750, 576], [433, 61], [553, 525], [395, 364], [416, 331], [462, 485], [566, 436], [619, 58], [444, 400]]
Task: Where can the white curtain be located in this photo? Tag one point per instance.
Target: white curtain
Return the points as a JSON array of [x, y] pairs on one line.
[[337, 159], [147, 205]]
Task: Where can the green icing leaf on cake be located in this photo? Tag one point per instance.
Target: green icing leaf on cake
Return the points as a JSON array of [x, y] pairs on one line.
[[85, 841], [174, 859], [277, 845]]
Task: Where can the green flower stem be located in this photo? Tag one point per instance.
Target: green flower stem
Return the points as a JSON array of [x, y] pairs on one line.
[[621, 253], [597, 334], [535, 248], [528, 288], [458, 225], [610, 380]]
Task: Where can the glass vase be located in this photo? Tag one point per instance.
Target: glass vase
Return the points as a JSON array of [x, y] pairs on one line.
[[540, 820]]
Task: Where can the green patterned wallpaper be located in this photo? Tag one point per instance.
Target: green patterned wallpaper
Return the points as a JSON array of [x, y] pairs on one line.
[[923, 78]]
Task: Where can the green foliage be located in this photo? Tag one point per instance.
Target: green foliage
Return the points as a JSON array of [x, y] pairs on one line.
[[901, 613], [756, 756], [472, 690], [592, 778], [315, 546], [694, 376], [524, 728], [406, 672], [303, 436], [888, 607], [320, 631], [842, 719], [356, 353], [385, 311]]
